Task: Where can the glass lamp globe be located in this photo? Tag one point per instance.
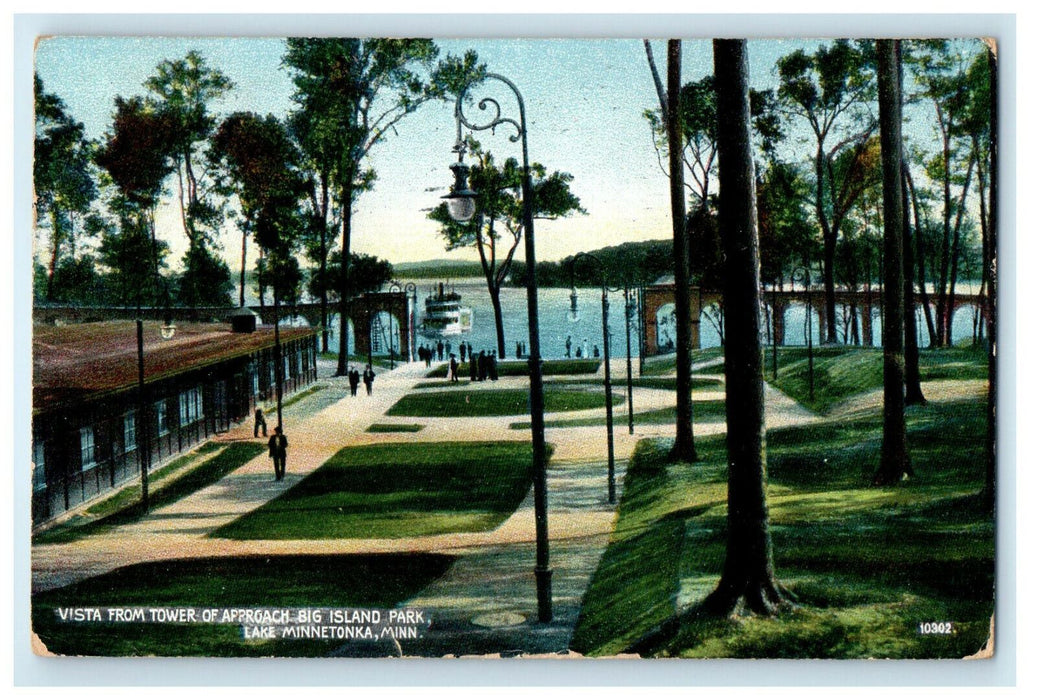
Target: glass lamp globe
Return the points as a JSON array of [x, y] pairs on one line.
[[461, 206], [167, 331]]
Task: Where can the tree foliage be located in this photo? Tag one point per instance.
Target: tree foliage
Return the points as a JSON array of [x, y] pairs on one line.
[[497, 229]]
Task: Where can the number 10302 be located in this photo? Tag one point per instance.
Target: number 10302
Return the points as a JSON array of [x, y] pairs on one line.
[[936, 628]]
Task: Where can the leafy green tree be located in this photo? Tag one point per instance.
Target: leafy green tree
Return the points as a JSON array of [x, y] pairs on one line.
[[135, 155], [262, 165], [368, 273], [944, 73], [355, 92], [831, 90], [63, 183], [497, 229], [181, 91]]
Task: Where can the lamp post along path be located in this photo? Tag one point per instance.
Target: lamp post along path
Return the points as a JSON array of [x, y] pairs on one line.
[[610, 439], [462, 205]]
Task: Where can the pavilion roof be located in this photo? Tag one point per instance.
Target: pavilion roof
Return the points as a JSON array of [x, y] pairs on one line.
[[76, 362]]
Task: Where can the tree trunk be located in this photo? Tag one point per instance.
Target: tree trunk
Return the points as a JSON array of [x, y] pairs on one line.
[[684, 444], [324, 263], [945, 250], [895, 462], [912, 374], [989, 491], [498, 319], [828, 254], [923, 293], [55, 245], [244, 248], [956, 253], [344, 301], [748, 572]]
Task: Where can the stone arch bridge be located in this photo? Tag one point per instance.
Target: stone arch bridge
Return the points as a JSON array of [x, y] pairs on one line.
[[776, 302]]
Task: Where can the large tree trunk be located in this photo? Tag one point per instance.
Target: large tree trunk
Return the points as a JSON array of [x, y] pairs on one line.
[[748, 572], [344, 301], [991, 441], [895, 462], [684, 444]]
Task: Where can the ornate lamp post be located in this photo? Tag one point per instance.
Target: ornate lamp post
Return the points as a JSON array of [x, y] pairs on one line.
[[461, 202], [803, 274], [608, 372]]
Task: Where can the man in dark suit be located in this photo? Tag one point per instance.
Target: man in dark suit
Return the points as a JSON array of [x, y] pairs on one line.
[[278, 445]]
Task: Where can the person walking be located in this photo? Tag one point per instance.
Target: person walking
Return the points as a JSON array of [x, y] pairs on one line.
[[463, 350], [278, 445], [492, 368], [439, 349], [260, 422], [473, 367], [453, 368], [354, 381], [368, 379], [568, 346]]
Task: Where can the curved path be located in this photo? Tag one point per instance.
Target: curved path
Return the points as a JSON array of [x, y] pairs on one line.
[[485, 602]]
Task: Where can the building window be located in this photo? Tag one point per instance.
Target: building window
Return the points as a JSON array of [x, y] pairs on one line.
[[190, 406], [87, 458], [39, 466], [161, 418], [129, 431]]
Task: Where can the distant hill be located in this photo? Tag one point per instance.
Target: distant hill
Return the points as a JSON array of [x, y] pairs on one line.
[[438, 269], [635, 262]]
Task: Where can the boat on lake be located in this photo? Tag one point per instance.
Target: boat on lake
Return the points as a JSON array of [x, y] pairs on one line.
[[444, 314]]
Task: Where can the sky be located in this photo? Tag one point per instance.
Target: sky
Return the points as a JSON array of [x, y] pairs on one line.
[[584, 101]]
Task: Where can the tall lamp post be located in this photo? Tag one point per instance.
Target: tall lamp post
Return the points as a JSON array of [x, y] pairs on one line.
[[802, 274], [166, 332], [630, 308], [573, 317], [461, 203]]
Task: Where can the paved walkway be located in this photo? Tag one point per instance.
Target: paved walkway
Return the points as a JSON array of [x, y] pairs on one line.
[[486, 603]]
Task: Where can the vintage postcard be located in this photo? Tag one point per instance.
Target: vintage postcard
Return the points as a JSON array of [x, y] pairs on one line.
[[515, 347]]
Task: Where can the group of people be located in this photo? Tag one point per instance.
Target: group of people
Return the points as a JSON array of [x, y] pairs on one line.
[[355, 378], [480, 367], [581, 350], [277, 445]]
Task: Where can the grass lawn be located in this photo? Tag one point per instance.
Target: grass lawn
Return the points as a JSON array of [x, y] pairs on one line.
[[667, 364], [394, 427], [397, 490], [843, 371], [374, 581], [211, 462], [670, 383], [519, 368], [467, 403], [705, 412], [867, 565]]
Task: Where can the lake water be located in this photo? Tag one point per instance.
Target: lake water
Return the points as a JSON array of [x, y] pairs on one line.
[[586, 332]]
